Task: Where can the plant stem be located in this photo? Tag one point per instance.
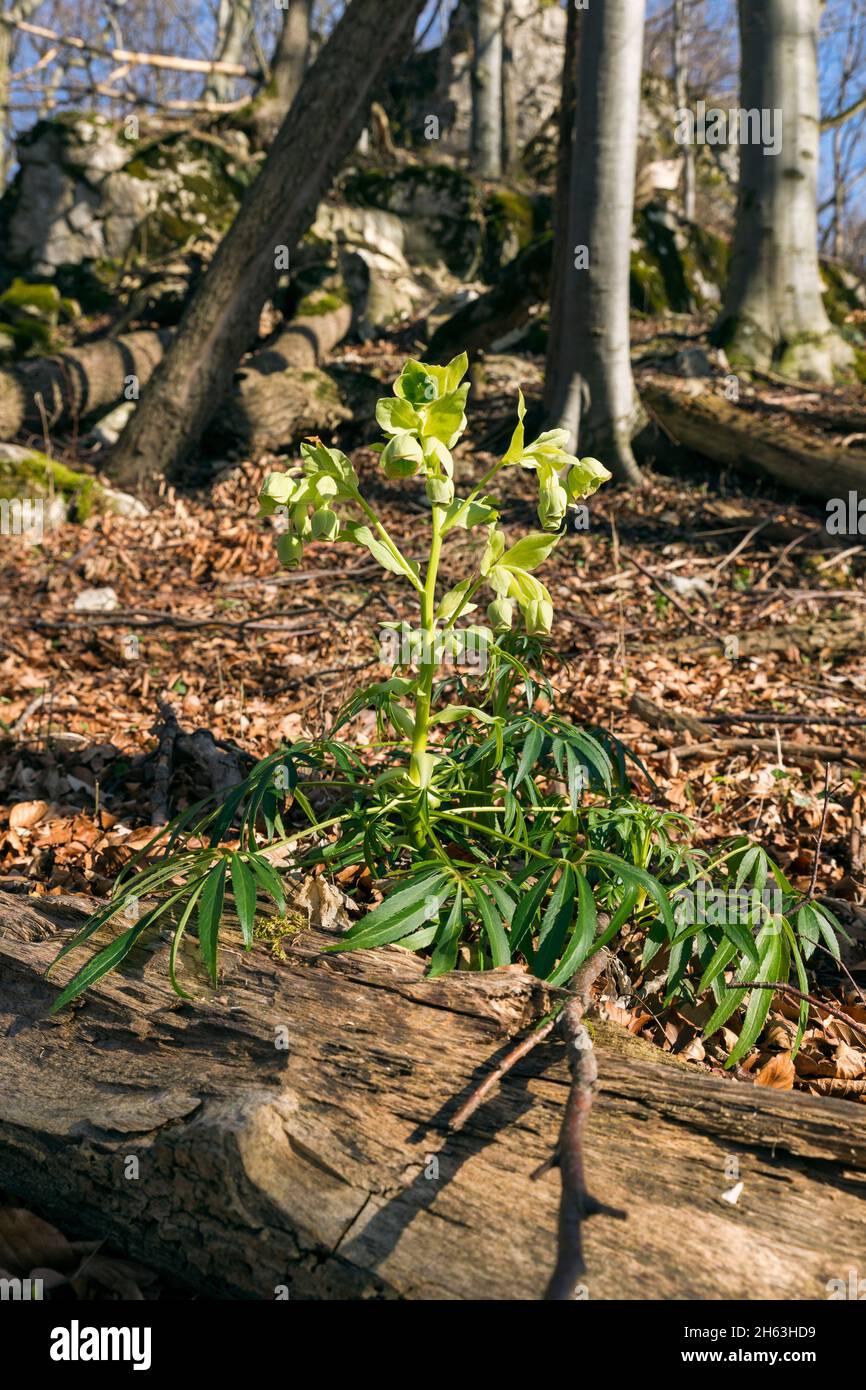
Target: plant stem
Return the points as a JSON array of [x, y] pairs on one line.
[[424, 690]]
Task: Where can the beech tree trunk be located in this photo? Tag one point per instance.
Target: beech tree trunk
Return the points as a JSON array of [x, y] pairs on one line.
[[562, 260], [292, 53], [487, 87], [290, 1134], [234, 27], [590, 387], [681, 38], [318, 133], [773, 313]]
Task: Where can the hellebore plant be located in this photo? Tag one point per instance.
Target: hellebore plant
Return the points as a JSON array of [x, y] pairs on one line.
[[501, 834]]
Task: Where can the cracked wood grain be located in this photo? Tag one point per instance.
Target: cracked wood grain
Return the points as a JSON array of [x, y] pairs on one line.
[[312, 1166]]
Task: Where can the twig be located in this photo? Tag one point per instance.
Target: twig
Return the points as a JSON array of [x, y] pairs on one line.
[[809, 999], [672, 598], [576, 1203], [814, 879], [541, 1031]]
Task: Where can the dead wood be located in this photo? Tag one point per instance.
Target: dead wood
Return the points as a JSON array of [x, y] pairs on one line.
[[291, 1129], [738, 436]]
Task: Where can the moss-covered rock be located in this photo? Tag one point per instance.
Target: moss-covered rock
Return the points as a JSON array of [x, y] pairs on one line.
[[676, 265], [441, 208], [70, 494], [511, 220]]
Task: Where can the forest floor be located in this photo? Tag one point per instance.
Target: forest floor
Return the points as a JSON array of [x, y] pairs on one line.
[[691, 600]]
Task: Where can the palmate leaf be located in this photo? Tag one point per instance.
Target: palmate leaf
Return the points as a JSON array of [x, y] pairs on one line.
[[494, 928], [244, 893], [401, 913], [447, 940], [581, 939], [555, 923]]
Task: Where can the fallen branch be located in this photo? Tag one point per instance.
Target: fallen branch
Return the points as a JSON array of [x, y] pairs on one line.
[[808, 998], [131, 56]]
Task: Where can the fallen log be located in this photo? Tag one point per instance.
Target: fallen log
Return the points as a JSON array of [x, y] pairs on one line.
[[63, 389], [289, 1132], [738, 436], [279, 392]]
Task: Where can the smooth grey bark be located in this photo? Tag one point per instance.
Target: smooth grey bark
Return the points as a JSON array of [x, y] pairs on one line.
[[221, 319], [681, 37], [23, 9], [292, 53], [590, 389], [234, 27], [773, 312], [489, 22], [510, 150]]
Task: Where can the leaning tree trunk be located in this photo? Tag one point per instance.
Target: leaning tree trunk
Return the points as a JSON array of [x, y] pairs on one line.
[[773, 313], [487, 87], [319, 132], [290, 1134], [590, 386]]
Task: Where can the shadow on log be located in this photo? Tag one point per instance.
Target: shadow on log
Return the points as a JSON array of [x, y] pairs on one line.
[[325, 1164]]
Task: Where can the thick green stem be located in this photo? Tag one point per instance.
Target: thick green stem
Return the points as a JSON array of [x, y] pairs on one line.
[[429, 663]]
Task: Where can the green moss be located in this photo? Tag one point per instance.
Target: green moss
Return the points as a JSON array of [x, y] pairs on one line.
[[510, 223], [679, 267], [37, 474], [322, 302]]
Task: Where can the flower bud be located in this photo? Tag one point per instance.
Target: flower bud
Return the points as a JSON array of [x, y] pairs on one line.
[[538, 617], [585, 477], [277, 491], [501, 614], [289, 550], [324, 525], [440, 491], [402, 456]]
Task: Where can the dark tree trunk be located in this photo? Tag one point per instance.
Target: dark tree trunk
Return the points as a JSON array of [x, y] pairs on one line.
[[320, 130], [591, 389]]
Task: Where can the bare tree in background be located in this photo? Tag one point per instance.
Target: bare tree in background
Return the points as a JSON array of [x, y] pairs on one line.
[[235, 24], [681, 46], [288, 67], [773, 312], [9, 15], [590, 389], [221, 319], [487, 108]]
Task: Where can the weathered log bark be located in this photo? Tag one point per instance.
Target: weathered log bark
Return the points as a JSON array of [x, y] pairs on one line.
[[77, 383], [290, 1130], [736, 436], [320, 130], [278, 394]]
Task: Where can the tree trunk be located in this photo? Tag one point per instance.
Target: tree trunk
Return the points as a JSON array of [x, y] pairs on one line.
[[5, 91], [234, 28], [773, 313], [292, 53], [590, 384], [510, 149], [317, 135], [681, 38], [561, 259], [289, 1134], [487, 87]]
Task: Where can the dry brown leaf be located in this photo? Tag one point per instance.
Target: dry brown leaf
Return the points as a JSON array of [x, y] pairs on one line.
[[27, 1242], [849, 1063], [778, 1073], [25, 814]]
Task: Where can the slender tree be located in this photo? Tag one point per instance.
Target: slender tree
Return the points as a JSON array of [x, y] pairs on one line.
[[681, 39], [19, 10], [234, 26], [773, 313], [221, 319], [288, 67], [487, 106], [589, 389]]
